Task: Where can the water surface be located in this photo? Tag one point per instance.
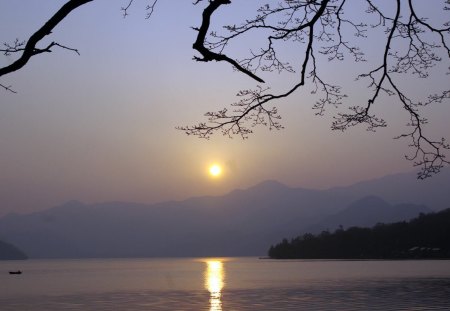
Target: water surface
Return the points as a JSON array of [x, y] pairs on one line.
[[224, 284]]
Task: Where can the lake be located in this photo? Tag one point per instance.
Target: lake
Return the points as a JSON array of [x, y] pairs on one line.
[[224, 284]]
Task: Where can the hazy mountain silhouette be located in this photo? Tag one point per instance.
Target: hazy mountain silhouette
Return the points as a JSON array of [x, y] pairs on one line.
[[10, 252], [367, 212], [433, 192], [242, 222]]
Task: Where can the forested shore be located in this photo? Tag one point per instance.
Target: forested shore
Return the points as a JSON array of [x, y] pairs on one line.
[[427, 236]]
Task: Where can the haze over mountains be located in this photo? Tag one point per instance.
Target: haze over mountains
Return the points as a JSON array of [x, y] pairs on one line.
[[10, 252], [401, 188], [240, 223]]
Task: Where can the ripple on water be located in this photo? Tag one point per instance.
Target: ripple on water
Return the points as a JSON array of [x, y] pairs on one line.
[[395, 294]]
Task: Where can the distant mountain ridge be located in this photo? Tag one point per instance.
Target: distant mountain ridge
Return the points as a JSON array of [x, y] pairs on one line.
[[433, 192], [367, 212], [240, 223], [10, 252]]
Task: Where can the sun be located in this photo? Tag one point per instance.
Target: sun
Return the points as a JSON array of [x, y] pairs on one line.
[[215, 170]]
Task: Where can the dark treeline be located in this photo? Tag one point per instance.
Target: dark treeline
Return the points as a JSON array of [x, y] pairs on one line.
[[427, 236]]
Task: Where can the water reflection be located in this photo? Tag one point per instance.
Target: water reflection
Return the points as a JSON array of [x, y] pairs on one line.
[[214, 282]]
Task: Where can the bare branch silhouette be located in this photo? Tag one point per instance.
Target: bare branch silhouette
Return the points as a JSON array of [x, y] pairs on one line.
[[150, 8], [208, 54], [319, 25], [30, 49], [7, 88], [324, 32]]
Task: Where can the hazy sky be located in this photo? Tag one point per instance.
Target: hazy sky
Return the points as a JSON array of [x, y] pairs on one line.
[[101, 126]]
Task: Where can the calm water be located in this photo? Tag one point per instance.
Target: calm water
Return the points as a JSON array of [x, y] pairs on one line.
[[224, 284]]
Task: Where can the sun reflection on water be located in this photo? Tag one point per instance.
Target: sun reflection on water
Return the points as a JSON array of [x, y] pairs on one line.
[[214, 282]]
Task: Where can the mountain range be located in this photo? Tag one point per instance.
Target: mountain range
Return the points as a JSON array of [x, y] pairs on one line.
[[10, 252], [240, 223]]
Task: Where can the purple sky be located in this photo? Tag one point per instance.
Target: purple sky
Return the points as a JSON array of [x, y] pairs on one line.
[[101, 126]]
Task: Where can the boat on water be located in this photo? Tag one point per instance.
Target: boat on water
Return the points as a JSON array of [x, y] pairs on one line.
[[15, 272]]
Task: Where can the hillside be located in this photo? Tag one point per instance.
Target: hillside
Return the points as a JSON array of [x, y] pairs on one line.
[[367, 212], [426, 236], [244, 222], [403, 188], [10, 252]]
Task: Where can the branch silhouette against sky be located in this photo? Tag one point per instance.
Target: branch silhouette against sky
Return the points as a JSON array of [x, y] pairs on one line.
[[410, 46]]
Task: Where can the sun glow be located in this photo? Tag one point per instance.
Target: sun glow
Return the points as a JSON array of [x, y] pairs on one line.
[[215, 170]]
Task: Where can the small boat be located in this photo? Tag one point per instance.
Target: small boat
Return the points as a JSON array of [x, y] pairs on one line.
[[15, 272]]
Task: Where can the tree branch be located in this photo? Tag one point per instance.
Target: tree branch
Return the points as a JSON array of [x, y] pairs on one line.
[[251, 107], [8, 88], [321, 22], [150, 8], [30, 48], [207, 54]]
